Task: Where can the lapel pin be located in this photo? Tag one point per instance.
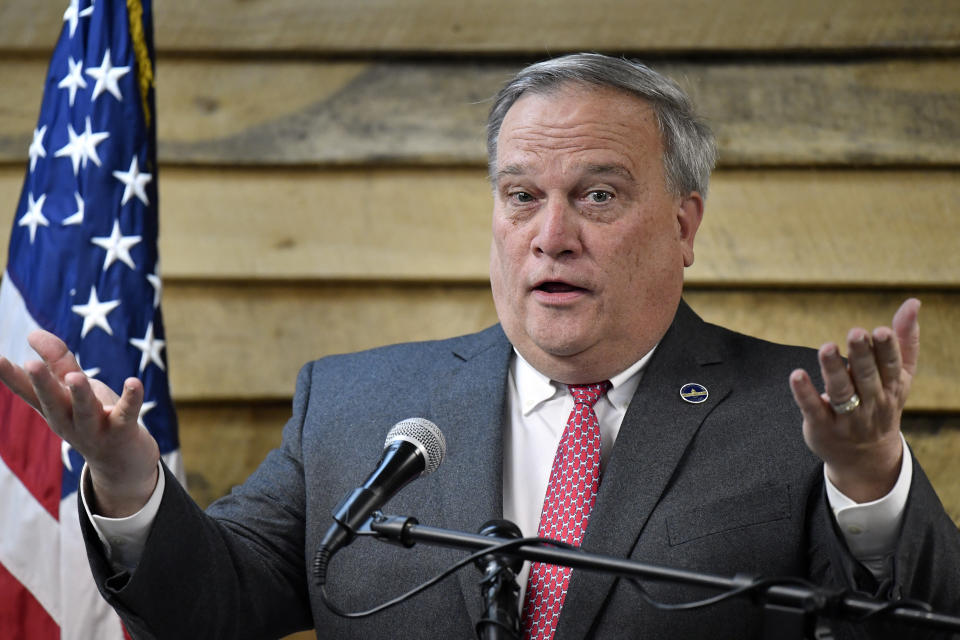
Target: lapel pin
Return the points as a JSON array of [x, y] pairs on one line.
[[694, 393]]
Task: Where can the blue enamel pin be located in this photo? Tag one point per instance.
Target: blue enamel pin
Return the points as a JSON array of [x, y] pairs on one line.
[[694, 393]]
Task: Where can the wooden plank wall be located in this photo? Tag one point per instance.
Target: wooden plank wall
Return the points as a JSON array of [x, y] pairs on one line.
[[322, 182]]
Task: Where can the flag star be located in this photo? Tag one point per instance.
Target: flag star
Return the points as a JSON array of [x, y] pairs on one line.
[[154, 279], [34, 216], [65, 454], [106, 76], [145, 408], [76, 149], [90, 140], [150, 347], [95, 313], [73, 79], [118, 247], [135, 181], [77, 217], [36, 147], [73, 14]]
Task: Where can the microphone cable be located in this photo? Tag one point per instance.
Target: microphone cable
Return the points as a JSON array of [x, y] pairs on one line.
[[495, 548], [750, 587]]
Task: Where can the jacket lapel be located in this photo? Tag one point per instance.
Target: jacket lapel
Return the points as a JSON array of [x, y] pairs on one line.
[[655, 433], [469, 399]]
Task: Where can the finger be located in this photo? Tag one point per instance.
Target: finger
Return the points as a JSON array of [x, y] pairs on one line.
[[18, 381], [837, 383], [127, 409], [887, 352], [53, 397], [863, 365], [87, 410], [807, 398], [906, 326], [54, 352]]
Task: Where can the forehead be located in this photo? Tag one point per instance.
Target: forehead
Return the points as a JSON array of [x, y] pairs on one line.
[[577, 125]]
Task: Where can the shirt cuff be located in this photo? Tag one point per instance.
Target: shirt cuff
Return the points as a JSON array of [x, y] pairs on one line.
[[871, 528], [124, 538]]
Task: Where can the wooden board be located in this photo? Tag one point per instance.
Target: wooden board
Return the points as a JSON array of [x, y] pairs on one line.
[[785, 228], [219, 111], [222, 445], [248, 342], [496, 26]]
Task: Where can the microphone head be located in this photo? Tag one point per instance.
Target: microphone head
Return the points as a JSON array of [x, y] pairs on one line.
[[425, 436]]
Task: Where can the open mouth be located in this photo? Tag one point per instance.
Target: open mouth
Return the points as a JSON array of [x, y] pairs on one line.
[[557, 287], [556, 291]]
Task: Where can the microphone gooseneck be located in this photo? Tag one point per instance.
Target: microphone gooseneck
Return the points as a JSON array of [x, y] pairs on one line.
[[413, 447]]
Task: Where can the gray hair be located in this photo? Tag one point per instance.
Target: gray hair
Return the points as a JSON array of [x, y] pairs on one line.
[[690, 151]]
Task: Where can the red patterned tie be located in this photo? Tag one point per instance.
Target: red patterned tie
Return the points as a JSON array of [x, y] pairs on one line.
[[571, 493]]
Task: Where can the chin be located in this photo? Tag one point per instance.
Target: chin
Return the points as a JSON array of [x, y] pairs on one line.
[[560, 345]]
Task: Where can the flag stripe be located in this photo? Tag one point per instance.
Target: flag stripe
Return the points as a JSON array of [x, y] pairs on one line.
[[29, 539], [21, 616], [16, 323], [31, 451], [27, 446]]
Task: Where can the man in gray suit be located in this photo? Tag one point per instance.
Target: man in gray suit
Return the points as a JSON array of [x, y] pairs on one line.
[[599, 169]]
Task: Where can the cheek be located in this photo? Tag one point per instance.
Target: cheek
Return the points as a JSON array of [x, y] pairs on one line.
[[646, 263], [505, 253], [502, 270]]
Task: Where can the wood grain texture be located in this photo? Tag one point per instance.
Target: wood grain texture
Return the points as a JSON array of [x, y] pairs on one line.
[[496, 26], [935, 441], [223, 443], [243, 342], [216, 333], [782, 227], [295, 112]]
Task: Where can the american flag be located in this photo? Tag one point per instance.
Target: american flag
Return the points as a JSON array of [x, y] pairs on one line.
[[82, 264]]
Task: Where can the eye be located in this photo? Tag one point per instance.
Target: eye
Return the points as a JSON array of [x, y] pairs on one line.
[[521, 197], [599, 197]]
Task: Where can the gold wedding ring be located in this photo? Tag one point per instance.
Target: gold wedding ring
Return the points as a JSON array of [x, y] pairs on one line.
[[842, 408]]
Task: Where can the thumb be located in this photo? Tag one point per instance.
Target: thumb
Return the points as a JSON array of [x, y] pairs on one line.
[[127, 409]]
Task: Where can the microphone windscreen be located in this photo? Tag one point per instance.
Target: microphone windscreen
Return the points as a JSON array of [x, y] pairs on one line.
[[424, 435]]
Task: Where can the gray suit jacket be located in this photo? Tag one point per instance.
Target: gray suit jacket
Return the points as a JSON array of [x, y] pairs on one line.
[[726, 487]]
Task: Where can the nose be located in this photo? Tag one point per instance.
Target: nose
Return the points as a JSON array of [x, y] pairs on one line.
[[558, 233]]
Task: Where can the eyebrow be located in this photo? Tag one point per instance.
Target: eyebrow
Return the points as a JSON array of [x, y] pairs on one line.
[[509, 170], [607, 169]]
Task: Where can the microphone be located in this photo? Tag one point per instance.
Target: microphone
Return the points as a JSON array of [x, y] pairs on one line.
[[414, 447]]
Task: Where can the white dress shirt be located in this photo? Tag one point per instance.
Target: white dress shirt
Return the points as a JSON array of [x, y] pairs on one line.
[[537, 412]]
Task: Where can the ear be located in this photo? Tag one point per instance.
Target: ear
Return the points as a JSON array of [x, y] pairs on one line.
[[689, 216]]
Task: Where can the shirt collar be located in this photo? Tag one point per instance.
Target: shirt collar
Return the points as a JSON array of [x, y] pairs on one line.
[[534, 388]]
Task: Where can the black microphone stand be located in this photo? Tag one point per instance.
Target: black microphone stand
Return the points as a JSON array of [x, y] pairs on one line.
[[790, 611], [501, 594]]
